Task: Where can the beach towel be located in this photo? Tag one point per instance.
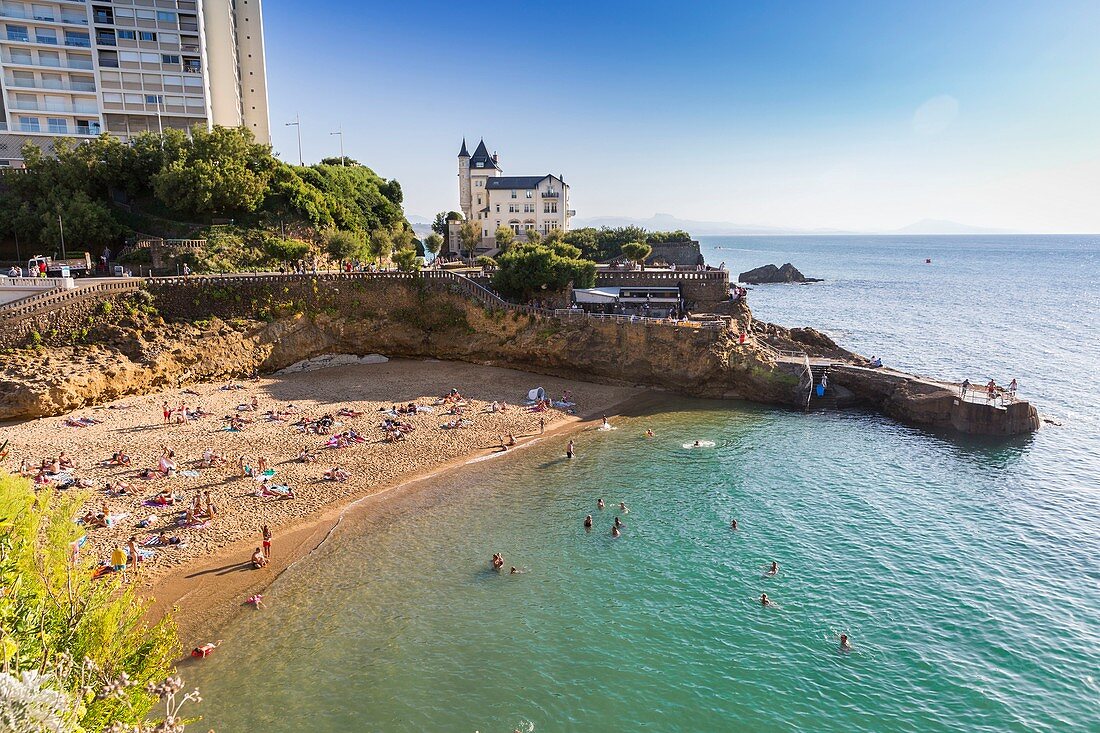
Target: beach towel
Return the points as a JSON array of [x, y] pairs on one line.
[[113, 519], [189, 473]]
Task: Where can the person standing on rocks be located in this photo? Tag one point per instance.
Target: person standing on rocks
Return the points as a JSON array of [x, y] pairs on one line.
[[965, 386]]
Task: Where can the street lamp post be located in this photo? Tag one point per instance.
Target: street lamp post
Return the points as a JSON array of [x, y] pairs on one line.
[[61, 228], [340, 132], [298, 123]]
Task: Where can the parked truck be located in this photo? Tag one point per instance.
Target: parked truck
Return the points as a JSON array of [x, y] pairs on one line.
[[71, 267]]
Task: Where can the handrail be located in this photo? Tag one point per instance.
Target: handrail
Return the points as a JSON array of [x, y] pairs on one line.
[[36, 304]]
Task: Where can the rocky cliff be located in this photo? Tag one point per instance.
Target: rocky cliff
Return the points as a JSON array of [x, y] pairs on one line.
[[139, 350]]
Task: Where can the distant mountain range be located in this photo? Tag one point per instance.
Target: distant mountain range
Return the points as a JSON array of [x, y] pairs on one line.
[[667, 222]]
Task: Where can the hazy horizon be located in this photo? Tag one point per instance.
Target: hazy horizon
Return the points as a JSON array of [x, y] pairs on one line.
[[865, 118]]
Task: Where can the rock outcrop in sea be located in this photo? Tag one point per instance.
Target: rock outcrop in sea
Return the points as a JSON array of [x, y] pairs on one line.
[[768, 274]]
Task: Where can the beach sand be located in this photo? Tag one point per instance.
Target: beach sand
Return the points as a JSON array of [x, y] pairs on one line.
[[209, 576]]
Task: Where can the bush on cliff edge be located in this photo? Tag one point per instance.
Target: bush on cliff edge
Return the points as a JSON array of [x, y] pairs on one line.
[[86, 635]]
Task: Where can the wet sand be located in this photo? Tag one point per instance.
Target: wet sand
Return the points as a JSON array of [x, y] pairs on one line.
[[209, 576]]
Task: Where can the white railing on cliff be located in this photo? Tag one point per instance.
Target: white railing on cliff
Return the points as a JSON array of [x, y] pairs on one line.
[[51, 299], [454, 281]]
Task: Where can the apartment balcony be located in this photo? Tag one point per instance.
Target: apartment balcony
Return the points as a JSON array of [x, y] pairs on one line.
[[192, 27], [63, 86], [57, 130], [79, 109], [62, 19], [49, 64], [78, 42], [551, 194]]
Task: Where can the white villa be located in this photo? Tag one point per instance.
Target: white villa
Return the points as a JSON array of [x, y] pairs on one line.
[[494, 200]]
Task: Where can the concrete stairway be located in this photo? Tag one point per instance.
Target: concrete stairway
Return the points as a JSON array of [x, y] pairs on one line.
[[828, 400]]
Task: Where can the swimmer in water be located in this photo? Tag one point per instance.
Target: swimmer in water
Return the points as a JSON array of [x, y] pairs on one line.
[[498, 561], [599, 504], [618, 522], [774, 569], [622, 507], [764, 600], [698, 444], [649, 432], [615, 532], [588, 522], [513, 571], [606, 424], [845, 645], [569, 450], [733, 524]]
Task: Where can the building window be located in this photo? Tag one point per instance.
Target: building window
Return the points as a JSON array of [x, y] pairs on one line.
[[56, 124], [550, 207], [153, 99], [168, 58], [29, 124], [530, 194], [166, 16], [479, 201], [513, 194], [498, 208], [127, 35], [147, 36]]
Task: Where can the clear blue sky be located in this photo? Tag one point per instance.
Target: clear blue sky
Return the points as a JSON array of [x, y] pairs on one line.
[[858, 115]]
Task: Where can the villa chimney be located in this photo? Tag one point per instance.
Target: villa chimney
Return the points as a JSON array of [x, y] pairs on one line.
[[496, 159]]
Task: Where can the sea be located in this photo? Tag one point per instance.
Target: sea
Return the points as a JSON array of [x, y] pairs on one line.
[[965, 571]]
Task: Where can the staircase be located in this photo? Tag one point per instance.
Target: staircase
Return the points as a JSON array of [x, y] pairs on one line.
[[828, 400]]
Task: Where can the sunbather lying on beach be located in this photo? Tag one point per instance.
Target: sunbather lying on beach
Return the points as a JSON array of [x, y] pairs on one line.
[[120, 458], [80, 422], [161, 539], [348, 412], [64, 461], [336, 474], [117, 488], [275, 490], [211, 459], [305, 456]]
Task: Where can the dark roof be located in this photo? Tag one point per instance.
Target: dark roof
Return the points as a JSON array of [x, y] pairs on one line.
[[482, 159], [515, 182], [463, 153]]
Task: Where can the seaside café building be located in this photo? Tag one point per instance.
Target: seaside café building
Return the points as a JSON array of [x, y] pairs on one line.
[[655, 301]]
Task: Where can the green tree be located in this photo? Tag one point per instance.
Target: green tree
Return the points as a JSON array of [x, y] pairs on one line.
[[470, 234], [55, 616], [287, 250], [530, 270], [504, 237], [637, 252], [439, 224], [344, 246], [381, 245], [407, 260], [532, 235], [86, 223], [433, 243], [223, 171], [486, 261], [554, 236]]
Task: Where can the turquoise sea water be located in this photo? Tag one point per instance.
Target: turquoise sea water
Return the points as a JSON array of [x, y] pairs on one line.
[[965, 571]]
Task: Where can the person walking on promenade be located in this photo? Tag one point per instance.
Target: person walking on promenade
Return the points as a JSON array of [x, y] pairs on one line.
[[964, 388]]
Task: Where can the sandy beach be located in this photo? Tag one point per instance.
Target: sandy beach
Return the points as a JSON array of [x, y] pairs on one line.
[[208, 574]]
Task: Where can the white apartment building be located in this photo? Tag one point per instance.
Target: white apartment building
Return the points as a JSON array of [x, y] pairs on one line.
[[494, 200], [77, 68]]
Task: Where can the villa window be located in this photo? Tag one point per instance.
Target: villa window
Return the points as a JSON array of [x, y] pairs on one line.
[[513, 194], [498, 208], [479, 201], [530, 194]]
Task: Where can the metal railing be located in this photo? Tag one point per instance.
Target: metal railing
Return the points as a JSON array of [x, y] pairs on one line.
[[22, 15], [43, 302], [72, 86], [82, 109]]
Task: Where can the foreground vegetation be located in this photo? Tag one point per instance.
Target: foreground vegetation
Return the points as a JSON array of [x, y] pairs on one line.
[[177, 185], [76, 653]]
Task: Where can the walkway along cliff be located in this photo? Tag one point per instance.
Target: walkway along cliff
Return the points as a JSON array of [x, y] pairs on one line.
[[94, 347]]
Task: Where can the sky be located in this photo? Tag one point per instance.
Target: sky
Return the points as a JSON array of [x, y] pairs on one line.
[[864, 116]]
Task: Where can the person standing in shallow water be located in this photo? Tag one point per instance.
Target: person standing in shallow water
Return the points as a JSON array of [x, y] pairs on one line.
[[569, 450], [588, 522], [733, 524]]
